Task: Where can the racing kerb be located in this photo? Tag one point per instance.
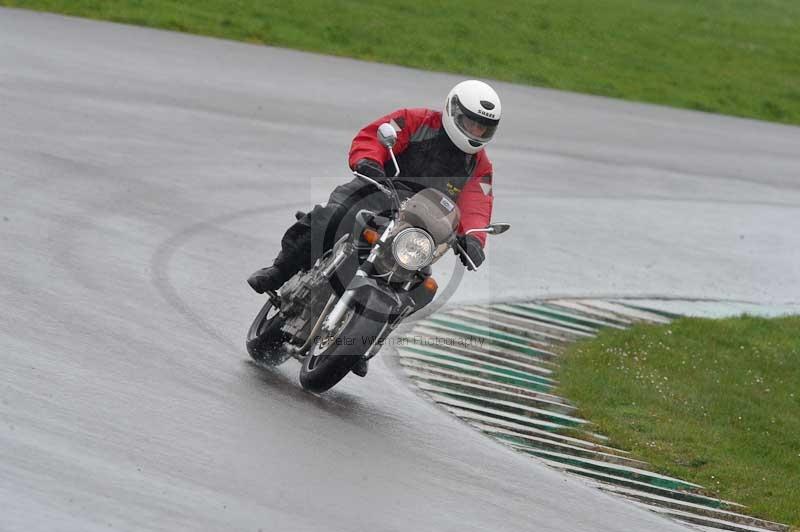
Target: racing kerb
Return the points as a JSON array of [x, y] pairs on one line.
[[492, 367]]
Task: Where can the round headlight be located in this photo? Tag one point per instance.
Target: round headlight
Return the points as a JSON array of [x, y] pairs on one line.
[[413, 248]]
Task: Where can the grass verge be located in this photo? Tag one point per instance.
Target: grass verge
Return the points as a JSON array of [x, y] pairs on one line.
[[715, 402], [735, 57]]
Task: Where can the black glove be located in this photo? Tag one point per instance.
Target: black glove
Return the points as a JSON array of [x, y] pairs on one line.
[[371, 168], [473, 249]]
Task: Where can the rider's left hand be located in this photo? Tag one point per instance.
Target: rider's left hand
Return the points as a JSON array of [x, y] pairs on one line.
[[474, 250]]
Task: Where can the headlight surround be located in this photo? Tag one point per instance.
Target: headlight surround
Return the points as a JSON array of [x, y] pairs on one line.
[[413, 248]]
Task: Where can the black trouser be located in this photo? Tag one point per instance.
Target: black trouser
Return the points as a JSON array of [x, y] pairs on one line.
[[315, 233]]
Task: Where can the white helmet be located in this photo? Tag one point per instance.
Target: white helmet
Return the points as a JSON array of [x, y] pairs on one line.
[[471, 114]]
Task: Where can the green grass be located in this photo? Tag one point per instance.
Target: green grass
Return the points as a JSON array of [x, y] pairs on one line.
[[739, 57], [716, 402]]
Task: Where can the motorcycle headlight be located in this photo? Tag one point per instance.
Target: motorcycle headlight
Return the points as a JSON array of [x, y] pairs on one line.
[[413, 248]]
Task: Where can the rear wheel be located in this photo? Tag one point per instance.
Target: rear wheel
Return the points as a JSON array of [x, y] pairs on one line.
[[265, 339], [333, 355]]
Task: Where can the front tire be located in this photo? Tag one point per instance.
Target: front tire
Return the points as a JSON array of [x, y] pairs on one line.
[[265, 339], [331, 358]]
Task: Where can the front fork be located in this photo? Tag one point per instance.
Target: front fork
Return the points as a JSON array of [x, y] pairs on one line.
[[362, 280], [336, 315]]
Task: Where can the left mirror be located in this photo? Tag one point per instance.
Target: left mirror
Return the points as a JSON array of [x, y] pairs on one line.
[[500, 227]]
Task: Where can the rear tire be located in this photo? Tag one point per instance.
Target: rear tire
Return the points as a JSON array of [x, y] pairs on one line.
[[330, 359], [265, 339]]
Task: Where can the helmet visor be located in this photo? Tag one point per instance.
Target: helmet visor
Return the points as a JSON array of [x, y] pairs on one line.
[[474, 126]]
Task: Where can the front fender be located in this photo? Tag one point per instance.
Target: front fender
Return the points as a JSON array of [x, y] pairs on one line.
[[373, 299], [362, 283]]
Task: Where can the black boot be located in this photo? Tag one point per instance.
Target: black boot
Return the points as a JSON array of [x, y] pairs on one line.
[[270, 278], [361, 367]]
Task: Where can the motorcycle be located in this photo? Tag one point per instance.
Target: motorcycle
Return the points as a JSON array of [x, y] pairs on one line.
[[340, 311]]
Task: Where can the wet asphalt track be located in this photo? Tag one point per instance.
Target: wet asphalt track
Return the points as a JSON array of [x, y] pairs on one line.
[[144, 174]]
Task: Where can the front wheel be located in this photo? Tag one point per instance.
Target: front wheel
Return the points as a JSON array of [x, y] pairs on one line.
[[333, 355]]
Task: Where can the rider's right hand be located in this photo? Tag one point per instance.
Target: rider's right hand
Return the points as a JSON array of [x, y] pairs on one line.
[[371, 168]]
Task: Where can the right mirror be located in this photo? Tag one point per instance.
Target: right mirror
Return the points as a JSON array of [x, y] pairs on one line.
[[387, 135]]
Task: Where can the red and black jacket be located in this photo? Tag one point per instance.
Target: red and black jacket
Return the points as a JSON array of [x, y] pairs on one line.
[[426, 156]]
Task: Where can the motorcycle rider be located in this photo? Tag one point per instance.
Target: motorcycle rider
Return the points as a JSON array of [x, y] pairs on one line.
[[443, 150]]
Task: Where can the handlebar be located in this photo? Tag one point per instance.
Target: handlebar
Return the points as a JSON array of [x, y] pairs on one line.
[[390, 190]]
